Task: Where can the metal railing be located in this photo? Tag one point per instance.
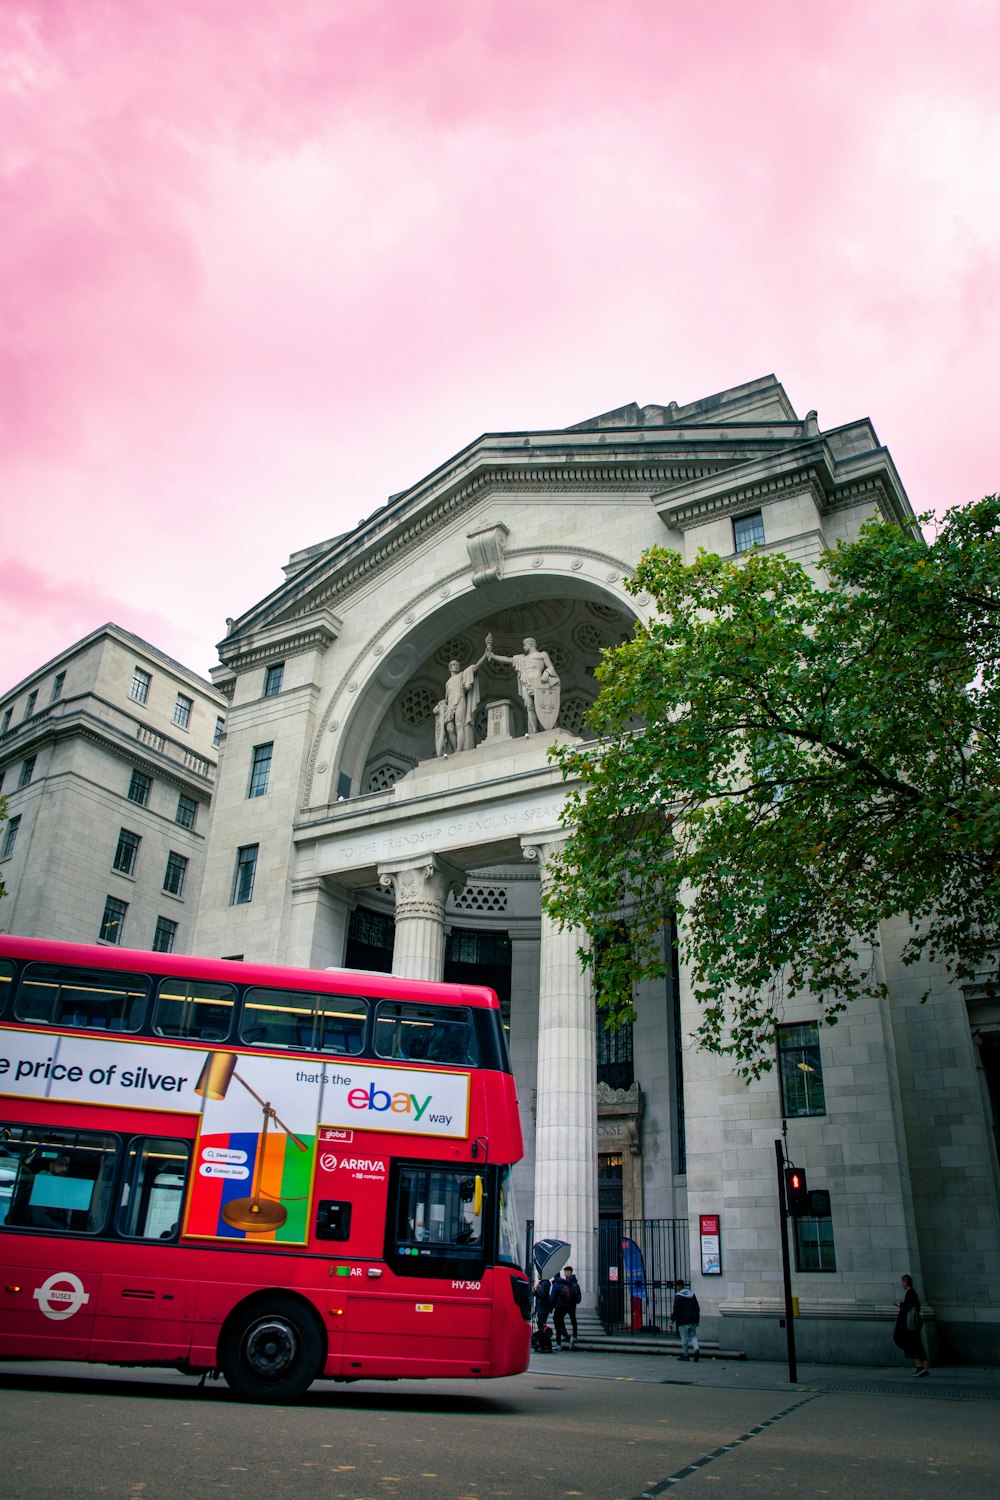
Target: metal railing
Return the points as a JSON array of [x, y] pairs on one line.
[[638, 1262]]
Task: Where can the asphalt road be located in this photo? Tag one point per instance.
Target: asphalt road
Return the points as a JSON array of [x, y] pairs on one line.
[[145, 1435]]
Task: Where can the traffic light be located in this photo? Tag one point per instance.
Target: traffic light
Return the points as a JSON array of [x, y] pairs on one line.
[[819, 1203], [796, 1193]]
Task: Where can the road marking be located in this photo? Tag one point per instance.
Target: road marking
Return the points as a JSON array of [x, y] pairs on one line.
[[708, 1458]]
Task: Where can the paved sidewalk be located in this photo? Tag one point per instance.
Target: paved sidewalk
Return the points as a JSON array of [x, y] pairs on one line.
[[950, 1382]]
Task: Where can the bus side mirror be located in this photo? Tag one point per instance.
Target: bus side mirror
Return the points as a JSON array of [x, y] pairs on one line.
[[477, 1197]]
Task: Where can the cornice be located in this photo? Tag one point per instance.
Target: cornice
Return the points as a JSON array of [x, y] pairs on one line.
[[184, 771], [280, 640], [683, 516], [832, 484], [613, 476]]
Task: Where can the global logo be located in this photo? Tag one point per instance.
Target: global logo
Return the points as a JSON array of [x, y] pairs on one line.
[[61, 1295]]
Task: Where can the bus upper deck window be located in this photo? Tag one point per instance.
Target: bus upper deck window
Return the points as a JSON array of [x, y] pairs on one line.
[[6, 980], [304, 1021], [190, 1008], [425, 1033], [98, 999]]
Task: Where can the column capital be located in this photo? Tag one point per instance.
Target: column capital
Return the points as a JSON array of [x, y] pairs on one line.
[[422, 886], [539, 851]]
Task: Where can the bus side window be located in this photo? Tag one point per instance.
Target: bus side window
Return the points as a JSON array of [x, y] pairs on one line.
[[58, 1179], [60, 995], [425, 1033], [156, 1175], [194, 1010]]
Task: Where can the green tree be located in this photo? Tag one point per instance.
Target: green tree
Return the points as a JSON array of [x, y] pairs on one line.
[[786, 760]]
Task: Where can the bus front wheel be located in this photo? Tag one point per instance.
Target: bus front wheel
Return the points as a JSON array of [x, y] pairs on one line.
[[271, 1351]]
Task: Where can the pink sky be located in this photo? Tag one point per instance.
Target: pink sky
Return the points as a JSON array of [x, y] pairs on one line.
[[264, 264]]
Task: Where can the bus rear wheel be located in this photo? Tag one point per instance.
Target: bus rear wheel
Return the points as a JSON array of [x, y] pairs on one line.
[[271, 1351]]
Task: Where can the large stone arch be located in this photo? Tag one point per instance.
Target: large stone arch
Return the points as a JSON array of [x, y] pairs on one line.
[[583, 601]]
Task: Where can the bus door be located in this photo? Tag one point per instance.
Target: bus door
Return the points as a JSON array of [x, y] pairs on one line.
[[60, 1185], [144, 1302], [431, 1312]]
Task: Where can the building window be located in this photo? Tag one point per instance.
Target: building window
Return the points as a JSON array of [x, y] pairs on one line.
[[113, 921], [29, 707], [163, 937], [7, 714], [57, 686], [615, 1065], [127, 852], [748, 531], [246, 869], [182, 710], [139, 788], [220, 729], [139, 691], [260, 770], [27, 771], [10, 837], [800, 1069], [272, 679], [814, 1249], [187, 811], [173, 880]]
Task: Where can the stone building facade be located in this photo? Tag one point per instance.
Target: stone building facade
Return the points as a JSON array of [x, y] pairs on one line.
[[107, 759], [376, 819], [385, 798]]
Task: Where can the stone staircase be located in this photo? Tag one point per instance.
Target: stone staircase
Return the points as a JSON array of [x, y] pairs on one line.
[[593, 1339]]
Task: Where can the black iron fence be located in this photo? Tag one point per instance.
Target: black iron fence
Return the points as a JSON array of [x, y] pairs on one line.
[[638, 1262]]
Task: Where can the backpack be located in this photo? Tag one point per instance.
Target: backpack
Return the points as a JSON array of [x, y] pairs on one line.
[[575, 1294]]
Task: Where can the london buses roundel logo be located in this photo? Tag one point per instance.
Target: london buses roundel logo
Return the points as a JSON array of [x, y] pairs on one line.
[[61, 1295]]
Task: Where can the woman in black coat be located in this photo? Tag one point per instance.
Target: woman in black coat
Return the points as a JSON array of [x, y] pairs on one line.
[[904, 1336]]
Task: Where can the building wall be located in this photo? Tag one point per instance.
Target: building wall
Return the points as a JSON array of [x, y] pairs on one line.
[[87, 743]]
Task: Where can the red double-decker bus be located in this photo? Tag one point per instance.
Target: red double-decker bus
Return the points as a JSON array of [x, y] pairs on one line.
[[278, 1174]]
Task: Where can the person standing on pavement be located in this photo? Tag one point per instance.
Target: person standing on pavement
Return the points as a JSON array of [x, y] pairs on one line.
[[575, 1297], [559, 1301], [686, 1315], [906, 1334]]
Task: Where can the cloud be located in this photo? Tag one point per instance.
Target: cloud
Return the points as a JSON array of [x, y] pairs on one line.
[[263, 265], [40, 611]]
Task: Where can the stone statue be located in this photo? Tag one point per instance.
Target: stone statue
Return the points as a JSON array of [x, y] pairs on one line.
[[454, 713], [537, 683]]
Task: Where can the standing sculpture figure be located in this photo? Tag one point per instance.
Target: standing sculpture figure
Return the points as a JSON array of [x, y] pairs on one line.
[[537, 683], [455, 712]]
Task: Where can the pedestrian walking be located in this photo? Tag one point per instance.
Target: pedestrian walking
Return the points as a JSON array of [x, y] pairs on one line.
[[575, 1298], [686, 1315], [906, 1335], [559, 1301]]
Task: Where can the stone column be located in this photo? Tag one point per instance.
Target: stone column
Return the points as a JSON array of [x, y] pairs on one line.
[[421, 890], [566, 1108], [320, 913]]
